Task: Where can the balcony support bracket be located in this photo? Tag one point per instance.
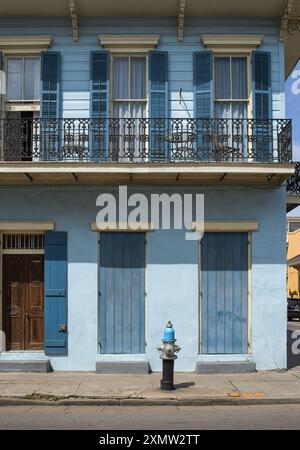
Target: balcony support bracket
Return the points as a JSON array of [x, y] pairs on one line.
[[74, 13], [181, 12]]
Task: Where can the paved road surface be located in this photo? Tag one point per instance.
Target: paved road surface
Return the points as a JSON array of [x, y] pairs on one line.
[[165, 417]]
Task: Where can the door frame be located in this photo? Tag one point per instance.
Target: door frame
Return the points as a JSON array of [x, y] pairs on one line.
[[128, 230], [14, 252], [249, 293]]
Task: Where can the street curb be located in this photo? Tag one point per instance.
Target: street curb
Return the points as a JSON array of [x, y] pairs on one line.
[[21, 401]]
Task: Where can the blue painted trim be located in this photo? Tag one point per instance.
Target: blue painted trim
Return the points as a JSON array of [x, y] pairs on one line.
[[55, 293], [106, 92], [196, 61]]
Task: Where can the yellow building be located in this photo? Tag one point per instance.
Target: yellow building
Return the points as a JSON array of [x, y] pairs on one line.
[[293, 257]]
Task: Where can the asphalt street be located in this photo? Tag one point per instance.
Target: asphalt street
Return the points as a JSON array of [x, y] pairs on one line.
[[150, 418]]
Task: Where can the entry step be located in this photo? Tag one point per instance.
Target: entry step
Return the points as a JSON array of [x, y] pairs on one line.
[[25, 366], [134, 367], [225, 367]]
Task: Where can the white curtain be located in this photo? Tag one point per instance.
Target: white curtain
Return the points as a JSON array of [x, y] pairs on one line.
[[32, 78], [14, 73], [222, 78], [239, 78], [120, 78], [121, 87], [231, 82], [138, 78]]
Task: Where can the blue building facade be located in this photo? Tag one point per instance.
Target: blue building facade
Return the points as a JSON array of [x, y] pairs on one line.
[[162, 107]]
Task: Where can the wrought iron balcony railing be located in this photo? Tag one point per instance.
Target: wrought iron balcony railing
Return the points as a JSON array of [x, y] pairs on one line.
[[293, 183], [146, 140]]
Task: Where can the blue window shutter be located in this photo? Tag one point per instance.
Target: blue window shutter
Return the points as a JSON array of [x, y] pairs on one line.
[[99, 104], [55, 293], [203, 102], [262, 106], [50, 85], [158, 103], [1, 87], [203, 78], [99, 87], [262, 88]]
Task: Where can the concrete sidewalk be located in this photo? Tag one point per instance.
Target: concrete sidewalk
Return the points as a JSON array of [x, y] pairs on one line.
[[69, 388]]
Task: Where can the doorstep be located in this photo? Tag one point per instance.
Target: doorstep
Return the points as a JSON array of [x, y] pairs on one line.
[[40, 366], [223, 367], [123, 367]]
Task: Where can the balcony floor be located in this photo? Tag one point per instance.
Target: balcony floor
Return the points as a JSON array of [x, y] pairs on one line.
[[78, 173]]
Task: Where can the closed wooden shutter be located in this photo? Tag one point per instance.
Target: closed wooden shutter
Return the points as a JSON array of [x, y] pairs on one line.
[[262, 106], [224, 293], [122, 292], [56, 293], [158, 104], [50, 85], [99, 105]]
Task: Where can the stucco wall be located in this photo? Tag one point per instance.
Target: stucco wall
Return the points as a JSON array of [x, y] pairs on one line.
[[172, 270]]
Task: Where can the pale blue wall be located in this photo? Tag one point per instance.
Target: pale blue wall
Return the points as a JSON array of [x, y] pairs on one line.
[[75, 57], [172, 270]]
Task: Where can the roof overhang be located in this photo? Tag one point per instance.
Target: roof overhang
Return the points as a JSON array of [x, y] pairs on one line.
[[142, 8], [292, 202], [77, 173], [294, 262]]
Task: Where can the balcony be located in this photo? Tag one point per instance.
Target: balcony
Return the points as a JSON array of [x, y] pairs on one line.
[[224, 147], [293, 189]]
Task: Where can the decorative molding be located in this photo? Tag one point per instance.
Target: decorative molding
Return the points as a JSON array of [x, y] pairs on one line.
[[285, 18], [181, 11], [26, 226], [74, 13], [24, 44], [231, 43], [226, 226], [294, 26], [122, 226], [129, 43]]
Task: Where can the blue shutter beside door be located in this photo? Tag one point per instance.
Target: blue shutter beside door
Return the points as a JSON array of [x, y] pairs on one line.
[[99, 104], [55, 287], [224, 293], [262, 106], [50, 85], [158, 104]]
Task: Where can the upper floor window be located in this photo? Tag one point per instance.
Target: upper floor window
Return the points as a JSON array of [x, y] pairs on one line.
[[129, 90], [23, 79], [231, 87]]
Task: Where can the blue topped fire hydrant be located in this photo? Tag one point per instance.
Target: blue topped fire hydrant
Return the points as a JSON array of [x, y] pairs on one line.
[[167, 353]]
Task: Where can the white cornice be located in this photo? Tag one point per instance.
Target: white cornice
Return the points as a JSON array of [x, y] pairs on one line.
[[231, 43], [129, 43], [24, 44]]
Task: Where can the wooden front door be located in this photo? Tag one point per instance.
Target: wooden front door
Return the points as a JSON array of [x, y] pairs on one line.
[[23, 301]]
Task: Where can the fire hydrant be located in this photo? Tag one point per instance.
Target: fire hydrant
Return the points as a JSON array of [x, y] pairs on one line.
[[167, 353]]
